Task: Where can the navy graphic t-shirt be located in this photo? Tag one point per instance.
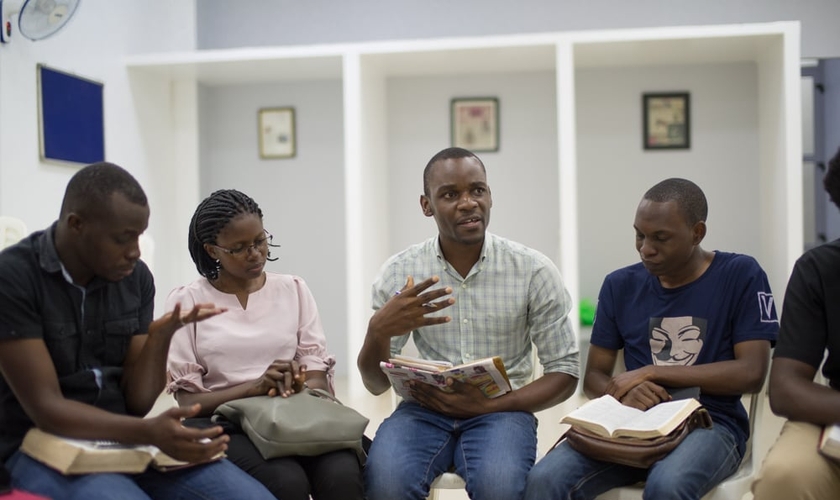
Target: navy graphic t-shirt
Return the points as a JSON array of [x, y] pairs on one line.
[[694, 324]]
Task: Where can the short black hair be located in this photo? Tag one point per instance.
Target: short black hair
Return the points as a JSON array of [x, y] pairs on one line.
[[687, 195], [90, 189], [447, 154], [831, 181], [210, 217]]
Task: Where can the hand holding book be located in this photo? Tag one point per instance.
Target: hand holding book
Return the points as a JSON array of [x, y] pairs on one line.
[[607, 417], [186, 444], [79, 456], [488, 374], [607, 430]]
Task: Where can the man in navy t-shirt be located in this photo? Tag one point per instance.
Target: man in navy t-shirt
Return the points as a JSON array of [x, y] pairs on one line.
[[684, 317]]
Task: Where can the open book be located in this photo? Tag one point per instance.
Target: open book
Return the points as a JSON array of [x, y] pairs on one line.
[[607, 417], [77, 456], [487, 374], [830, 441]]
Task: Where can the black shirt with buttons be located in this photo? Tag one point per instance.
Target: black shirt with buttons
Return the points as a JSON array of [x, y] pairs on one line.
[[87, 330]]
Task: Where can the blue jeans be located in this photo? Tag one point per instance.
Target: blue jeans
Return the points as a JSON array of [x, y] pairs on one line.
[[413, 446], [217, 481], [704, 459]]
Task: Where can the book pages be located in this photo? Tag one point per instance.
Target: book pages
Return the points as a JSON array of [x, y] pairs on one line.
[[602, 415], [659, 420], [606, 416]]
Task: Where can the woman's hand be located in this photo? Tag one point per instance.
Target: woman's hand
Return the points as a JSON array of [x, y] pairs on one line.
[[281, 378]]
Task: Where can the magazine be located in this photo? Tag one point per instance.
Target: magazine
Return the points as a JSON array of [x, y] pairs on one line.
[[487, 374]]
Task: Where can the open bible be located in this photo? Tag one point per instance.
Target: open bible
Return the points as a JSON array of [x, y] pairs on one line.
[[830, 441], [488, 374], [77, 456], [607, 417]]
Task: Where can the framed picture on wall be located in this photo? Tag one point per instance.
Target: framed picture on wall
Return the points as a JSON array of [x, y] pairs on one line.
[[475, 123], [666, 120], [277, 133], [71, 117]]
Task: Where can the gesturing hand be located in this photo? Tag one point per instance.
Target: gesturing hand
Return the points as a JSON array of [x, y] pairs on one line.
[[185, 443], [407, 309], [282, 377]]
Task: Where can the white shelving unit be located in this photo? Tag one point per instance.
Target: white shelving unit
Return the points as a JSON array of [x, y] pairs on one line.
[[570, 168]]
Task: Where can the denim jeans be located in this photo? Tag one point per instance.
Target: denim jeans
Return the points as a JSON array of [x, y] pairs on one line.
[[704, 459], [217, 481], [492, 452]]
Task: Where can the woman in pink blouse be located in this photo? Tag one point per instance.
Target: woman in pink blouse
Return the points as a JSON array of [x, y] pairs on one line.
[[269, 341]]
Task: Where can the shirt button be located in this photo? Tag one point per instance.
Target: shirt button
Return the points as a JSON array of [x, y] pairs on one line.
[[466, 321], [463, 285]]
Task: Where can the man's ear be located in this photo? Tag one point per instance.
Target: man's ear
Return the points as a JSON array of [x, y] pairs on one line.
[[426, 205], [699, 231], [74, 221]]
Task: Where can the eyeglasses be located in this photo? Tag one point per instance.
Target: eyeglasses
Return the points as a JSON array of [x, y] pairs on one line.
[[260, 245]]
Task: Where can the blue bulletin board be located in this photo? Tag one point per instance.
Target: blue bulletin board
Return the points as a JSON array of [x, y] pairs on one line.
[[71, 117]]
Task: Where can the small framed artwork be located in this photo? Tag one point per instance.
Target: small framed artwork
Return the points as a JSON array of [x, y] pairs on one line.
[[277, 133], [667, 120], [475, 123]]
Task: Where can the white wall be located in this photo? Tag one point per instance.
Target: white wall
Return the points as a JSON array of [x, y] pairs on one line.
[[302, 198], [92, 45], [522, 175], [614, 171], [251, 23]]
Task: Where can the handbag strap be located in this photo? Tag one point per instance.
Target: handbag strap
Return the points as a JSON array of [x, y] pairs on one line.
[[560, 439], [321, 393]]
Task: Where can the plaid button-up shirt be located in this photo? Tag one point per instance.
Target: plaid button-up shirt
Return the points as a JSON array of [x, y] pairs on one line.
[[511, 300]]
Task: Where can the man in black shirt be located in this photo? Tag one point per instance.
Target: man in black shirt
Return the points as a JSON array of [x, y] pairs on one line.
[[81, 357], [793, 469]]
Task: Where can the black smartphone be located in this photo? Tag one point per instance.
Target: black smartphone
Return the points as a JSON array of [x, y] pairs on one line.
[[683, 392]]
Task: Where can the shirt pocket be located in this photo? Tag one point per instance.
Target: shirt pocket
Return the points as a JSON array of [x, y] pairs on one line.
[[118, 334], [62, 340], [505, 330]]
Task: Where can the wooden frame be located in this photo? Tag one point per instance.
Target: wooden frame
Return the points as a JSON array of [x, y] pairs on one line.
[[667, 120], [276, 131], [475, 123]]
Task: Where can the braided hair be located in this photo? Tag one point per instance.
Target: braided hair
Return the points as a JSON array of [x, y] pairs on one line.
[[210, 217]]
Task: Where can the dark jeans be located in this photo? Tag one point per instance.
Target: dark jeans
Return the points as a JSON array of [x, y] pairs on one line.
[[331, 476]]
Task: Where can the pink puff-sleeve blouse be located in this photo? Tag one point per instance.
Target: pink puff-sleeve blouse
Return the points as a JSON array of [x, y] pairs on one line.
[[281, 322]]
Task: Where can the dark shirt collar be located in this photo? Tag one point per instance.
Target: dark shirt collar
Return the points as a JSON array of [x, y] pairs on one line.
[[51, 263], [47, 254]]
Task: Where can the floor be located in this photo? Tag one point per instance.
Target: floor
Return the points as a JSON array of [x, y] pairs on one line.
[[377, 408]]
